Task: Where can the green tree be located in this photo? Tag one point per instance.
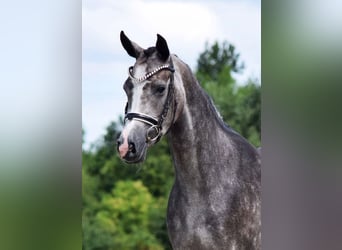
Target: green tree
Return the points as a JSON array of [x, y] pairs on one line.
[[123, 220], [216, 59], [103, 172], [248, 111]]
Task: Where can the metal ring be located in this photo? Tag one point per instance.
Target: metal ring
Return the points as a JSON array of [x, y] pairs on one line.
[[157, 130]]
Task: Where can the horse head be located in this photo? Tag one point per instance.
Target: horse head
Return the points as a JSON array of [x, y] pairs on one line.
[[150, 90]]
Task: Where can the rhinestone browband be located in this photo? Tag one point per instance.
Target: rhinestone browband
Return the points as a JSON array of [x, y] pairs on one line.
[[148, 75]]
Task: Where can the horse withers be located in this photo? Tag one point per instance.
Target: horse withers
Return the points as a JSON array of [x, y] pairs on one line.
[[215, 200]]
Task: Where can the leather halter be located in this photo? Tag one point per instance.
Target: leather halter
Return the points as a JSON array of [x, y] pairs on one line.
[[154, 132]]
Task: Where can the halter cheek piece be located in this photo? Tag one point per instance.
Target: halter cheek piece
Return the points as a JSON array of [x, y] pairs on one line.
[[154, 132]]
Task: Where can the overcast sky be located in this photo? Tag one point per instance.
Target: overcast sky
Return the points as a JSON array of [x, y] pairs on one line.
[[186, 25]]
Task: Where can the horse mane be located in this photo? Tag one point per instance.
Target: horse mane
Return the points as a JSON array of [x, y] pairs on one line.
[[190, 77]]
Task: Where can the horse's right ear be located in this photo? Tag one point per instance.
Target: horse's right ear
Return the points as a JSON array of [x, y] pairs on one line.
[[162, 48], [132, 48]]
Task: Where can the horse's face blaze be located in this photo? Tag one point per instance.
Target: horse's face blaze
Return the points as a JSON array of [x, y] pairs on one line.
[[147, 99], [147, 90]]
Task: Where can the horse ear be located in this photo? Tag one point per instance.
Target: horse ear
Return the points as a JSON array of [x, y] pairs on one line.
[[162, 48], [132, 48]]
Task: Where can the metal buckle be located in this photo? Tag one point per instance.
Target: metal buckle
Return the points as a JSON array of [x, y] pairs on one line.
[[152, 133]]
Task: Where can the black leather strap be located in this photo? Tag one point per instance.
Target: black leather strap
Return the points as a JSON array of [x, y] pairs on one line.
[[141, 117]]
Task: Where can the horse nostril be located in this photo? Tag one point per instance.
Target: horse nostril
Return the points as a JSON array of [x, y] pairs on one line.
[[118, 142], [131, 148]]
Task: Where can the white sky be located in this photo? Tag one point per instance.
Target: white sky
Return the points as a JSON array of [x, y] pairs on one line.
[[186, 25]]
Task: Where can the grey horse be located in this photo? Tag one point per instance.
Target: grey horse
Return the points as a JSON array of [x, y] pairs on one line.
[[215, 200]]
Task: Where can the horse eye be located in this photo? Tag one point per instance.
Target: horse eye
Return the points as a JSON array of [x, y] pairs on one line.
[[160, 89]]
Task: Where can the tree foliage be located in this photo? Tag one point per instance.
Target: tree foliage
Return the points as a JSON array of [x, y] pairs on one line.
[[215, 60], [124, 206]]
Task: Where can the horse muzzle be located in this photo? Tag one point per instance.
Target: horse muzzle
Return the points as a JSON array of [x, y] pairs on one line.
[[131, 148], [153, 133]]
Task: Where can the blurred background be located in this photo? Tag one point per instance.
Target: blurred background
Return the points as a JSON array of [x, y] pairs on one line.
[[124, 206], [42, 114]]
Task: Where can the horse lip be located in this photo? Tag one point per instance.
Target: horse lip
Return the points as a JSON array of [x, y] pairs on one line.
[[134, 161], [140, 158]]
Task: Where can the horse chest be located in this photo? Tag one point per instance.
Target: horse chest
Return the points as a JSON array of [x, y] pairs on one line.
[[190, 231], [210, 219], [193, 223]]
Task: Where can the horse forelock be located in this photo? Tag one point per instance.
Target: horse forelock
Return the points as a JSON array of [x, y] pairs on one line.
[[147, 62], [149, 51]]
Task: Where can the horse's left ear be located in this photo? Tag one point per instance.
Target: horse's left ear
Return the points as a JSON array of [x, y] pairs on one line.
[[162, 48], [133, 49]]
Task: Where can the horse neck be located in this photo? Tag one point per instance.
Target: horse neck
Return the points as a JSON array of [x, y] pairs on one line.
[[197, 131], [199, 116]]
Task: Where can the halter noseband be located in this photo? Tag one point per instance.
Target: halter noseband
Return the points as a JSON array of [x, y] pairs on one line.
[[154, 132]]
